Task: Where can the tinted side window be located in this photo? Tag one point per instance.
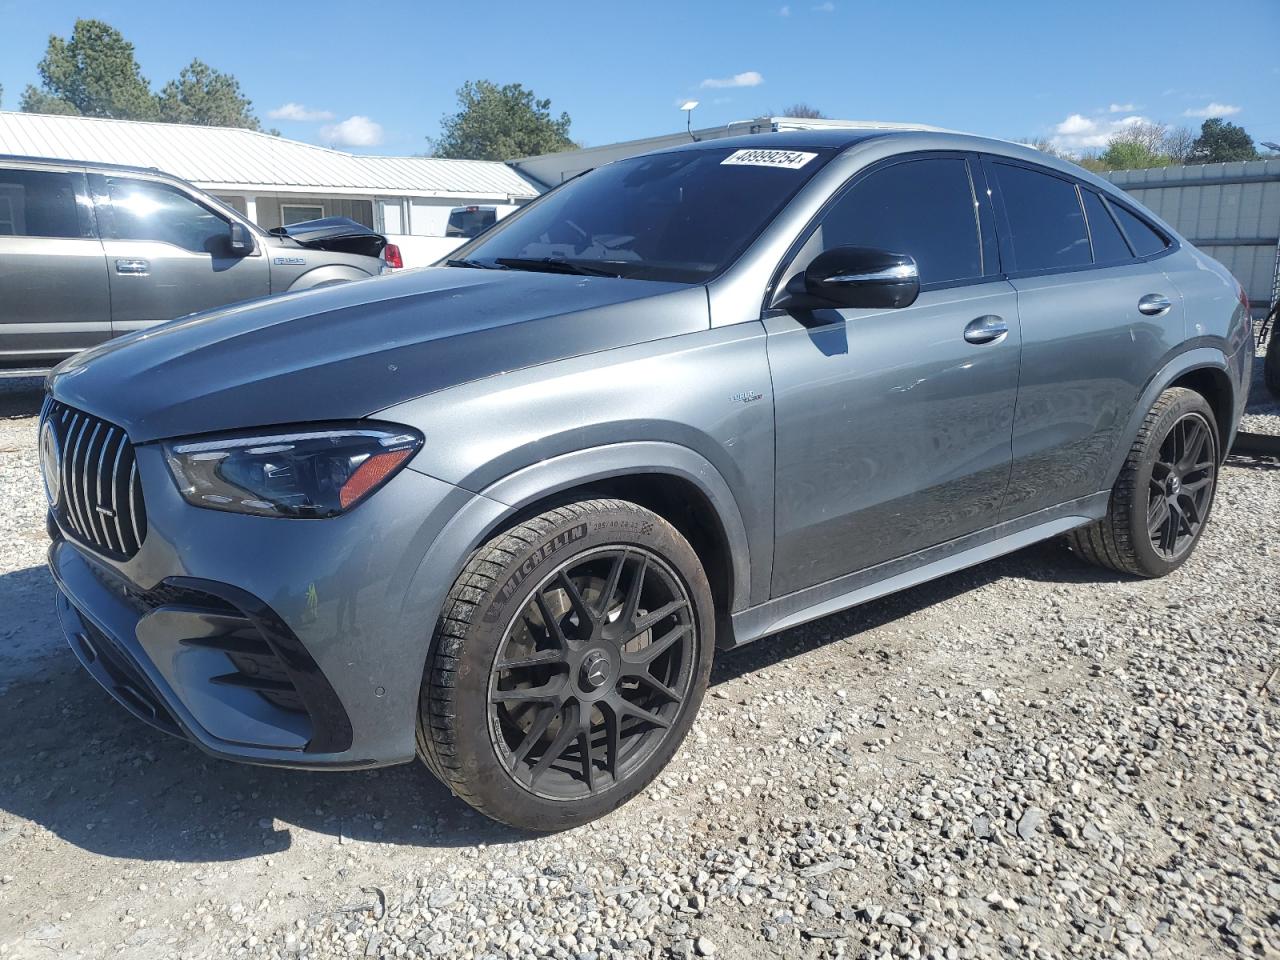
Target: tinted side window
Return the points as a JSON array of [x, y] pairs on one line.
[[1108, 243], [924, 208], [142, 210], [1144, 239], [36, 203], [1046, 224]]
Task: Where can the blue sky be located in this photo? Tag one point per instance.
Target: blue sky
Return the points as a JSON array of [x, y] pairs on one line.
[[376, 77]]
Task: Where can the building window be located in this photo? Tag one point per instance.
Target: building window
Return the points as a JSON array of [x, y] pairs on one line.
[[299, 213]]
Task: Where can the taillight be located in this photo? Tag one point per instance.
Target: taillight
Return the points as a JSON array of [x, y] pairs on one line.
[[391, 254]]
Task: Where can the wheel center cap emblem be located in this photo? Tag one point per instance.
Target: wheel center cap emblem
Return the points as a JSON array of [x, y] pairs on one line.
[[1174, 485], [595, 670]]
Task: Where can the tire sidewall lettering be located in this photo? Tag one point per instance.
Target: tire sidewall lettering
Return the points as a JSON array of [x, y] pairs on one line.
[[510, 588]]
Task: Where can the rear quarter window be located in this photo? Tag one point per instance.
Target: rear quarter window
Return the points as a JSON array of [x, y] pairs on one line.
[[1144, 239]]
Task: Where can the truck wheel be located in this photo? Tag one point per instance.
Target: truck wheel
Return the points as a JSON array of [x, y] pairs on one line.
[[567, 665], [1161, 501]]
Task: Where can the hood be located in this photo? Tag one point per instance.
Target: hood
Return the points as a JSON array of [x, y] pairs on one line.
[[337, 234], [348, 351]]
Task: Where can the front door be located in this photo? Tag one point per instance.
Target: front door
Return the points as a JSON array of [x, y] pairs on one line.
[[53, 278], [169, 255], [893, 430]]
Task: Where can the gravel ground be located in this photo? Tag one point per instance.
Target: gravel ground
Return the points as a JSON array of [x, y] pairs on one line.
[[1033, 758]]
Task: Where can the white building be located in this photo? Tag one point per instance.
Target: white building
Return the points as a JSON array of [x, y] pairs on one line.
[[274, 181]]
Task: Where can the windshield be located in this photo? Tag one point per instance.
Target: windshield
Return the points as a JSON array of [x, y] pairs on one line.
[[681, 216], [469, 222]]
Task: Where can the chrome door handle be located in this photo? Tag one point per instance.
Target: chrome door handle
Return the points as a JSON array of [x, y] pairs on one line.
[[988, 329], [135, 267], [1154, 305]]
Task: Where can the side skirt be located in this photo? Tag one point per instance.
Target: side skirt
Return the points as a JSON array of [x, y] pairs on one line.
[[891, 576]]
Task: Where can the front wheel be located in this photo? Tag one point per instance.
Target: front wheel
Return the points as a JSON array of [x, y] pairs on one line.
[[1161, 501], [568, 664]]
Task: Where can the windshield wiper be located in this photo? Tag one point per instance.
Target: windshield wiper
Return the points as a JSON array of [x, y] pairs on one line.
[[475, 264], [555, 265]]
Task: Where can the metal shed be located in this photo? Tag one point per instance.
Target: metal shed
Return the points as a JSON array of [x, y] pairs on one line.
[[1231, 211]]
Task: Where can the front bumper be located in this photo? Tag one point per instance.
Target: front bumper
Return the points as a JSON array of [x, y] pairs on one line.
[[280, 642]]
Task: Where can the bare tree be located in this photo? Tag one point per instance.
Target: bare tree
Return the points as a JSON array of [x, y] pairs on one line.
[[1043, 144], [803, 111], [1178, 142], [1144, 133]]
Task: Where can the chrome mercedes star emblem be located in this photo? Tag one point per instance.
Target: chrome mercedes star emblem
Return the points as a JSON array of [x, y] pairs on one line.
[[595, 669]]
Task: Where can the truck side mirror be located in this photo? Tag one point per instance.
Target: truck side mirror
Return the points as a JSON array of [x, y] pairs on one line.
[[240, 241]]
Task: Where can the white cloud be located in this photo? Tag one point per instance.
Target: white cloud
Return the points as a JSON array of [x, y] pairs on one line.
[[827, 7], [354, 131], [1078, 132], [749, 79], [296, 111], [1214, 109], [1075, 124], [784, 12], [1121, 108]]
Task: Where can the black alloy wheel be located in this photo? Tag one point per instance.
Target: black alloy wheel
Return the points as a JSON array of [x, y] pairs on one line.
[[1160, 502], [591, 673], [568, 663], [1181, 486]]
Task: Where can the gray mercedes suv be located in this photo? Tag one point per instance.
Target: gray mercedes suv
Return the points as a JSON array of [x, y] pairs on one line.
[[500, 514], [92, 251]]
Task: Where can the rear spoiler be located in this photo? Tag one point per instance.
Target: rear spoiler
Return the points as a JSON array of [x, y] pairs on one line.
[[339, 234]]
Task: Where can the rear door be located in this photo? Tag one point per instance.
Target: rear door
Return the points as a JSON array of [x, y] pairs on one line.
[[54, 296], [168, 254], [1097, 315]]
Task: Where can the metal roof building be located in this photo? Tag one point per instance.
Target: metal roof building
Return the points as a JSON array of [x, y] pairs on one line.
[[229, 159], [275, 181]]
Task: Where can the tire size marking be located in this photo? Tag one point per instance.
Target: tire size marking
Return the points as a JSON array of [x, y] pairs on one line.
[[530, 564]]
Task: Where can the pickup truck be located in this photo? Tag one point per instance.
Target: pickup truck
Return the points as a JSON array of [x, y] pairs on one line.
[[92, 251]]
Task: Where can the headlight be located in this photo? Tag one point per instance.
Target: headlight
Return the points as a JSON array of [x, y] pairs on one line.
[[312, 473]]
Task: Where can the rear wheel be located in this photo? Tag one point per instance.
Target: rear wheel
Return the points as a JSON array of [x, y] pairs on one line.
[[1161, 501], [568, 664]]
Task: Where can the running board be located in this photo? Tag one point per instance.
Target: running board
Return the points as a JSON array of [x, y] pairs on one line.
[[824, 599]]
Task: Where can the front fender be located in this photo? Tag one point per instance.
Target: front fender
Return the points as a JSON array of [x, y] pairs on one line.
[[540, 480], [327, 275]]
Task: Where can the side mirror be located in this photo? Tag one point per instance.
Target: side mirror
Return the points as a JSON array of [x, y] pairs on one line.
[[855, 277], [240, 241]]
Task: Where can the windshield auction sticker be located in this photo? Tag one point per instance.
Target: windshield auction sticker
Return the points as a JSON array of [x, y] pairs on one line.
[[787, 159]]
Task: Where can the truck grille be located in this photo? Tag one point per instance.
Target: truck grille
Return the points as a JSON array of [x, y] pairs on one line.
[[99, 494]]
